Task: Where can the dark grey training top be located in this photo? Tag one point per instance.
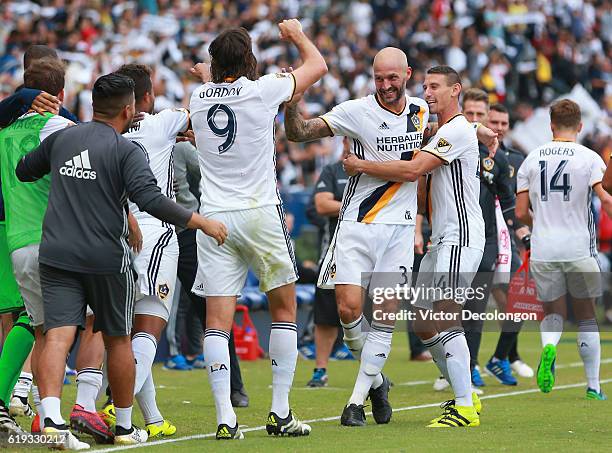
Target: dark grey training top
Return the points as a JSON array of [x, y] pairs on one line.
[[93, 172]]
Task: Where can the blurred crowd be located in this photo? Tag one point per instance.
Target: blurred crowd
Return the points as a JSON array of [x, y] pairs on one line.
[[524, 53]]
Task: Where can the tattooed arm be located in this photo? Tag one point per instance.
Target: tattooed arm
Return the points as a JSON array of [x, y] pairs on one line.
[[298, 129]]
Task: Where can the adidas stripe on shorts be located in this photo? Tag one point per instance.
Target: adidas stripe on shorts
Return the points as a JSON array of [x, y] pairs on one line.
[[258, 239], [156, 266]]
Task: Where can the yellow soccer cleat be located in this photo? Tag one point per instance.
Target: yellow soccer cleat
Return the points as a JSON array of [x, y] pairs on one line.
[[476, 402], [166, 429], [451, 403], [107, 414], [457, 417]]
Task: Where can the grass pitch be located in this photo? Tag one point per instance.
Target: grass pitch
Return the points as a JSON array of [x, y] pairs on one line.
[[516, 418]]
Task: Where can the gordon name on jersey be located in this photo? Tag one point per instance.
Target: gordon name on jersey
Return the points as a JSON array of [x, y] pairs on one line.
[[233, 124], [378, 134]]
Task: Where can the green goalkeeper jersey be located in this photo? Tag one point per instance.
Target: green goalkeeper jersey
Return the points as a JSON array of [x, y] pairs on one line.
[[25, 203]]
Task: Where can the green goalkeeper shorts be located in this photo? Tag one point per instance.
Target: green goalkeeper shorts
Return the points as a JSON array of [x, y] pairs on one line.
[[10, 299]]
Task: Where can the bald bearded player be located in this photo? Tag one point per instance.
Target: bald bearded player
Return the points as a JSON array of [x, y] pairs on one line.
[[373, 246]]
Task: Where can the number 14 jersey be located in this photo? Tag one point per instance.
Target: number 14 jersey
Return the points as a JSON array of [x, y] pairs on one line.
[[560, 177], [234, 130]]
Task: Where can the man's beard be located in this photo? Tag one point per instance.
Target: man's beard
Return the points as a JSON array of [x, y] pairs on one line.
[[399, 93], [127, 125]]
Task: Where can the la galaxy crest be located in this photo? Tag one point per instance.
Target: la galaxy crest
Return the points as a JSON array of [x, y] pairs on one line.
[[443, 146], [488, 163], [163, 290]]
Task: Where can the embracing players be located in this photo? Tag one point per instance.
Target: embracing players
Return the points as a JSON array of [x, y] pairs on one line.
[[375, 234]]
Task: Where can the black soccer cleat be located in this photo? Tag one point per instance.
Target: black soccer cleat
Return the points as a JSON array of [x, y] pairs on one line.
[[226, 432], [289, 426], [353, 415], [379, 397]]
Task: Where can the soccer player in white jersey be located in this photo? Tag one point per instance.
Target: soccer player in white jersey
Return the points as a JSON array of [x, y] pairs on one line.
[[157, 262], [375, 233], [452, 188], [558, 180], [233, 121]]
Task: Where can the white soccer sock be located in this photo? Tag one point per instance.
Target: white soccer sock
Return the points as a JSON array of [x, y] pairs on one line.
[[144, 346], [435, 346], [23, 385], [457, 357], [124, 417], [589, 348], [216, 354], [147, 403], [373, 357], [551, 328], [89, 382], [51, 409], [283, 357], [354, 336]]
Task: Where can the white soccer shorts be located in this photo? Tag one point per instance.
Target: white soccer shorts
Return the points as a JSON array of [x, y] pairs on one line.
[[446, 270], [27, 275], [258, 239], [156, 266], [581, 278], [370, 255]]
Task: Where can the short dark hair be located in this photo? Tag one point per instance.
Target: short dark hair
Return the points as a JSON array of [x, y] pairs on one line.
[[452, 76], [37, 52], [46, 74], [141, 75], [232, 56], [565, 114], [501, 108], [476, 95], [111, 93]]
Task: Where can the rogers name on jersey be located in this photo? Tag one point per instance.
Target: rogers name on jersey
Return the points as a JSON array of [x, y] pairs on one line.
[[405, 142]]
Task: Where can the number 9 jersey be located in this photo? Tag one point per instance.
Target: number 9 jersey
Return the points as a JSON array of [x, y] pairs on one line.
[[234, 129], [560, 177]]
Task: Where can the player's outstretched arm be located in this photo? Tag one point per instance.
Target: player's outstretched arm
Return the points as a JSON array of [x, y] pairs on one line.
[[298, 129], [605, 198], [313, 66], [522, 208], [210, 227], [394, 170], [135, 235], [488, 137], [607, 179]]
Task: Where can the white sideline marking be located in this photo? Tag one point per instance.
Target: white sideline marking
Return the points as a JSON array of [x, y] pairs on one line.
[[329, 419], [561, 366], [411, 383], [577, 364]]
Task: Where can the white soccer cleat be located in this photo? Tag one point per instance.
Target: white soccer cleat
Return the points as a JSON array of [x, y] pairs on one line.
[[137, 436], [63, 439], [522, 369], [440, 384], [19, 409]]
